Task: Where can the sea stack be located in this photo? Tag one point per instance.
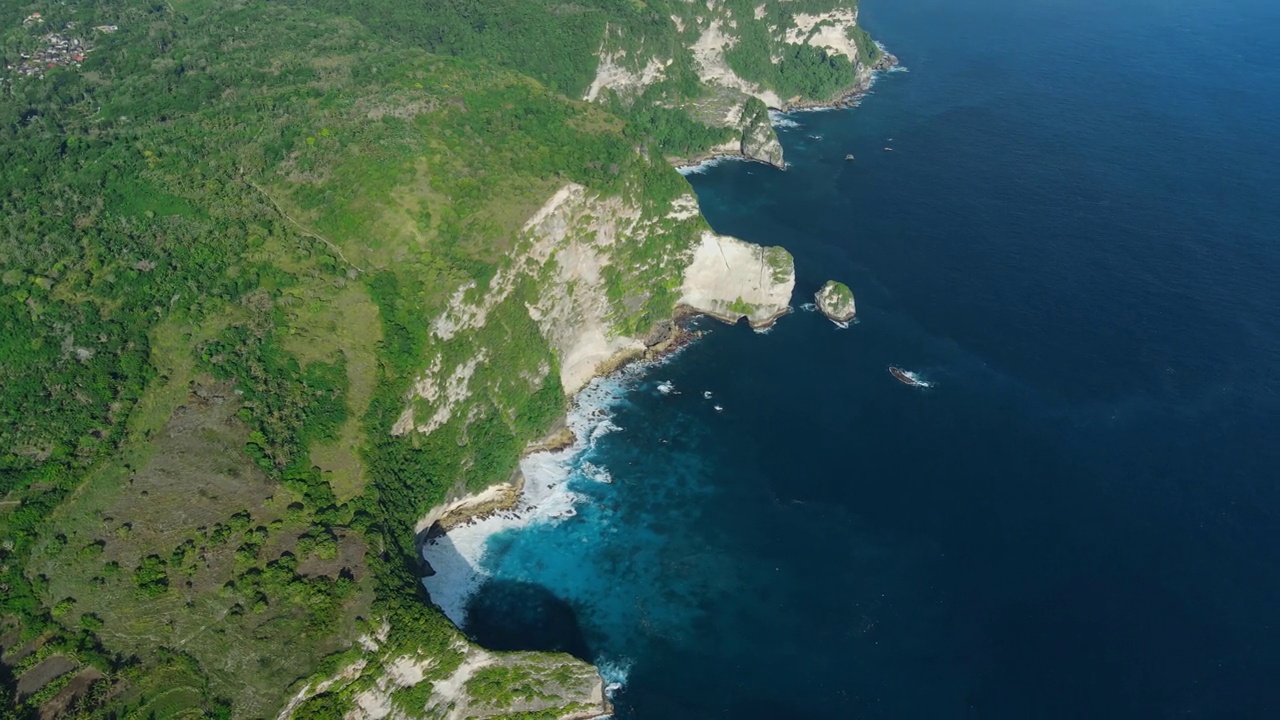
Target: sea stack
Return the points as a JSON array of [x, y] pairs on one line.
[[835, 300]]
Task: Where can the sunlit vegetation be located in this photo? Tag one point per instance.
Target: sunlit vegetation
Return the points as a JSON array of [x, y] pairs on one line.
[[222, 237]]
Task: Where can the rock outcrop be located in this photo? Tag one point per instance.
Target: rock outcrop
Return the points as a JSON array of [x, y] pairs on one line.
[[731, 279], [835, 300], [759, 140], [703, 38], [593, 276], [574, 235], [472, 687]]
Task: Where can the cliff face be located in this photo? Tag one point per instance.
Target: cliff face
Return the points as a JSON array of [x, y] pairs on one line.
[[759, 141], [575, 235], [732, 51], [731, 279], [585, 267], [469, 682], [576, 277]]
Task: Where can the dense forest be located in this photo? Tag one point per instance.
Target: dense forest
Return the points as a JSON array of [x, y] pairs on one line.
[[221, 228]]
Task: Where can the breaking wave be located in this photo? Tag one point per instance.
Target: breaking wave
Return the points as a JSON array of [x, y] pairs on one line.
[[703, 166], [782, 120], [458, 557], [614, 673]]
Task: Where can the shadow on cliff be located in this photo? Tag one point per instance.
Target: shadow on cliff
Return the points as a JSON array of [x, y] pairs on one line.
[[508, 615]]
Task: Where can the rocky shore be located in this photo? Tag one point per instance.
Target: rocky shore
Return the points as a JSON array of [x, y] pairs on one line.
[[850, 96], [764, 153], [573, 236], [663, 339]]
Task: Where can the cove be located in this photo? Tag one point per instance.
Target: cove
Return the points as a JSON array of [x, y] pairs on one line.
[[1071, 236]]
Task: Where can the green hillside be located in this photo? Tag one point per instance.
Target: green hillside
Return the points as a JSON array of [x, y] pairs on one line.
[[224, 227]]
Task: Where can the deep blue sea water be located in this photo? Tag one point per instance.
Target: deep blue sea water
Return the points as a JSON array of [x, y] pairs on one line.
[[1076, 239]]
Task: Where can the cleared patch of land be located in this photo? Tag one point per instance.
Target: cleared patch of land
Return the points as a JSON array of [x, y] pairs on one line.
[[185, 544]]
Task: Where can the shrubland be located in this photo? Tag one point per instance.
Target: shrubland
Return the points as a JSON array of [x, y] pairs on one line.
[[223, 236]]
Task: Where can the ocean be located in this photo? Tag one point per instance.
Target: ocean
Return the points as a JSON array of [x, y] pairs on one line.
[[1066, 218]]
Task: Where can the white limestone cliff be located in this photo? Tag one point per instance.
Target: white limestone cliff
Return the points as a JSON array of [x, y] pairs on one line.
[[731, 279], [706, 32], [569, 245]]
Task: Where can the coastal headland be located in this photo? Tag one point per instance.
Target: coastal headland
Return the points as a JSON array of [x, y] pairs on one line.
[[344, 323]]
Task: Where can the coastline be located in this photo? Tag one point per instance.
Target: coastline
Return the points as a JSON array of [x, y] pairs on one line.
[[454, 558], [686, 313], [452, 538], [852, 95], [847, 98], [663, 341]]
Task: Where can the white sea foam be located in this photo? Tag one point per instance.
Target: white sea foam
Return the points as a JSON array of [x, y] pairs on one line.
[[614, 673], [898, 68], [782, 120], [699, 168], [841, 325], [665, 387], [814, 109], [808, 307], [457, 558], [596, 473], [763, 330], [917, 379]]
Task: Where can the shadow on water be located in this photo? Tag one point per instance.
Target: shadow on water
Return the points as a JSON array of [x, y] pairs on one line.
[[513, 615], [505, 615]]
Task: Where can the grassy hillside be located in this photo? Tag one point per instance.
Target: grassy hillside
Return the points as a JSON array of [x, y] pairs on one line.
[[224, 229], [222, 236]]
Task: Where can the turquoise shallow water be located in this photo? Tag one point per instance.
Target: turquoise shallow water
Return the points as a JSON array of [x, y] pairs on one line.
[[1075, 238]]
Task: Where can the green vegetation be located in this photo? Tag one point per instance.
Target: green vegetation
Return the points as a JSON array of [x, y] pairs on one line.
[[741, 307], [503, 685], [837, 292], [869, 53], [412, 699], [803, 71], [793, 70], [223, 238], [780, 263], [673, 132]]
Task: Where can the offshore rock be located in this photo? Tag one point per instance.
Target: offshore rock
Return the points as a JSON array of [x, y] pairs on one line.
[[835, 300]]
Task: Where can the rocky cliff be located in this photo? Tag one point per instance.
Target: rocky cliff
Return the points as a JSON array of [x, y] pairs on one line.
[[470, 683], [577, 278], [835, 300], [734, 53], [730, 279], [586, 267], [591, 273]]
